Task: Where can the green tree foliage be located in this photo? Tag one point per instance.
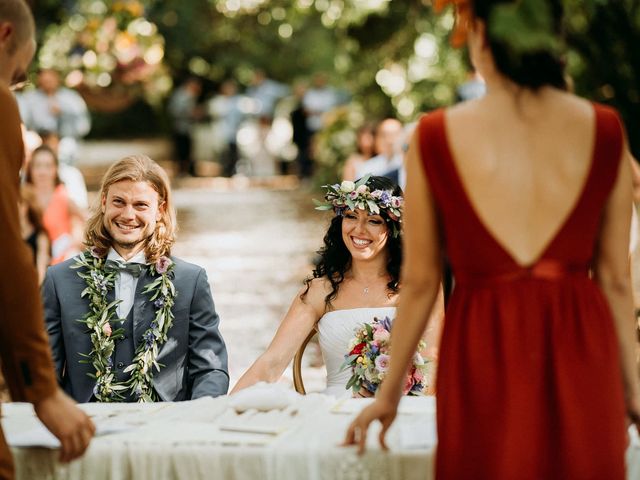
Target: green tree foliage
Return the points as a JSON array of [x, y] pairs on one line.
[[392, 55]]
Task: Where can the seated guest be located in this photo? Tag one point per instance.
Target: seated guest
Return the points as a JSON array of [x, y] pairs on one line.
[[71, 176], [33, 231], [126, 320], [61, 217], [389, 159]]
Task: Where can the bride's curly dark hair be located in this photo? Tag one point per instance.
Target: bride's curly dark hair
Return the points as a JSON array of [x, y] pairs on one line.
[[335, 259]]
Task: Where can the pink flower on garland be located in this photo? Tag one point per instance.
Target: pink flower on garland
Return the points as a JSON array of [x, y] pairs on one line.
[[163, 264], [106, 329]]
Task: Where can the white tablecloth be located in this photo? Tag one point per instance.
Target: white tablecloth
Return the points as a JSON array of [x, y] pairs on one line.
[[196, 440]]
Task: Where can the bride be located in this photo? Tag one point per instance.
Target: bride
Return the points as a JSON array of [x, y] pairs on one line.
[[356, 279]]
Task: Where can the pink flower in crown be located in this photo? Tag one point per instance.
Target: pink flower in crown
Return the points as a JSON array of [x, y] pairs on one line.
[[106, 329], [376, 194], [163, 264], [362, 189], [381, 335], [353, 195], [382, 363], [396, 202]]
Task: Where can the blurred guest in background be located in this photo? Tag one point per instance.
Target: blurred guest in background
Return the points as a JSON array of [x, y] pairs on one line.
[[57, 109], [62, 218], [227, 113], [388, 162], [265, 93], [33, 230], [365, 142], [185, 112], [301, 132], [70, 175]]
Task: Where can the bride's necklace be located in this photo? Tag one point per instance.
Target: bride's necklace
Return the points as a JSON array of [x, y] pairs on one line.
[[366, 288]]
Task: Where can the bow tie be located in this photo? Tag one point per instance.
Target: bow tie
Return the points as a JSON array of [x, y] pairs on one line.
[[134, 269]]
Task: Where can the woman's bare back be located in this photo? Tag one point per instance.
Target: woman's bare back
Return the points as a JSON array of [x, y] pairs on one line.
[[523, 164]]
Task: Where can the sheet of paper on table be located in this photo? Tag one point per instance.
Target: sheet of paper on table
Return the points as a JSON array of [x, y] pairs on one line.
[[38, 436], [408, 405]]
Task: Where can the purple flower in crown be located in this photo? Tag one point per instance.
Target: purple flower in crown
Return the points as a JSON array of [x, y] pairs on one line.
[[163, 264], [385, 199]]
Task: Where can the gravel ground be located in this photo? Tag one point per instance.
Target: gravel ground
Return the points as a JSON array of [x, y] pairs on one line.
[[257, 245]]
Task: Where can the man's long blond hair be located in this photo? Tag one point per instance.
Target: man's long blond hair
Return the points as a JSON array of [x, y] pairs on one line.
[[136, 168]]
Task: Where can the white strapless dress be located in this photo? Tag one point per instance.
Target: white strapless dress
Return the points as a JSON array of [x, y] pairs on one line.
[[335, 331]]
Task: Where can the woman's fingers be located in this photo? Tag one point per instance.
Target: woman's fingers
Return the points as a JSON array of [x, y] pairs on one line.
[[383, 434]]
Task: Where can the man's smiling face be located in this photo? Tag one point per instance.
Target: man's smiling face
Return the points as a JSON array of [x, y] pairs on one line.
[[131, 211]]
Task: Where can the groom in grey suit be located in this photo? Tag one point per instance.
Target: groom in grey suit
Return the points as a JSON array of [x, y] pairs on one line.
[[132, 234]]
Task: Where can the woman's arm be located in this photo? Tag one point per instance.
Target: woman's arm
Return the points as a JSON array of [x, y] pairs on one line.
[[431, 338], [43, 255], [421, 272], [78, 219], [613, 276], [296, 325]]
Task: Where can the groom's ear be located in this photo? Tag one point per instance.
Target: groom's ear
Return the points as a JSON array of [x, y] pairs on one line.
[[161, 210], [103, 203]]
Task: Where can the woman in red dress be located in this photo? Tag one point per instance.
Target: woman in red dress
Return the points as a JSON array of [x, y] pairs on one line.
[[528, 192]]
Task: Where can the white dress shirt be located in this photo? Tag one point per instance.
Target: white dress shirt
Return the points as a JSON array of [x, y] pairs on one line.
[[380, 165], [125, 282]]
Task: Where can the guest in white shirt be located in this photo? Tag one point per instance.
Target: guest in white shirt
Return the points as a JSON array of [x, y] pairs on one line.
[[388, 162], [54, 108]]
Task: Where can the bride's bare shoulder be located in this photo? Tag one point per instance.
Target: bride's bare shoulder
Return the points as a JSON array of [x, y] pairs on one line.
[[315, 291]]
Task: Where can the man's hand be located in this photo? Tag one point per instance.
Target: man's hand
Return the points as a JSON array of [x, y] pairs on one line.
[[67, 422]]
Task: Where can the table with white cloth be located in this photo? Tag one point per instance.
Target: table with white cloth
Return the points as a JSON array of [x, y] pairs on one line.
[[208, 439]]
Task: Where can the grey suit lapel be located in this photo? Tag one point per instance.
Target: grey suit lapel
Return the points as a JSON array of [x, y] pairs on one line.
[[143, 311]]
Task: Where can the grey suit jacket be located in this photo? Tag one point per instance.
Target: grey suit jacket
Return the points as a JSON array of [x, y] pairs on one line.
[[194, 356]]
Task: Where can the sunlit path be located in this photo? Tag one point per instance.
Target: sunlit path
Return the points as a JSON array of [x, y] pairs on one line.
[[256, 246]]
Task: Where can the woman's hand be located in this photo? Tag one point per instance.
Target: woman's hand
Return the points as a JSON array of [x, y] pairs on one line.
[[382, 410]]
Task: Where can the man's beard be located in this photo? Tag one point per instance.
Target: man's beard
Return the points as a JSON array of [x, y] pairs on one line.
[[130, 245]]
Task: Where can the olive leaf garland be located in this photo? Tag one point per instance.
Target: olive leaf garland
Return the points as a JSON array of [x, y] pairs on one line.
[[102, 314]]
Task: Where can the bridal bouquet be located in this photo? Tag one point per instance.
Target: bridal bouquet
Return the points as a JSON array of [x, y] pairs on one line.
[[368, 359]]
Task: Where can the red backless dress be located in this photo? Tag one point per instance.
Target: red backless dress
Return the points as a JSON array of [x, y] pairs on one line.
[[529, 381]]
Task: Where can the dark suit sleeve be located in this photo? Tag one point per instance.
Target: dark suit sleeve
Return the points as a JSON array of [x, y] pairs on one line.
[[53, 322], [208, 375], [24, 350]]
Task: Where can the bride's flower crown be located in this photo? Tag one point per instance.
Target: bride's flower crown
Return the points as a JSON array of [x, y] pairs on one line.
[[351, 196]]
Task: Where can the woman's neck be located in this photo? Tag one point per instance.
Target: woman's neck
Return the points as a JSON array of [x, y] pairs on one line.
[[365, 272]]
